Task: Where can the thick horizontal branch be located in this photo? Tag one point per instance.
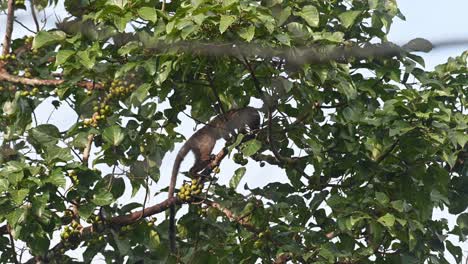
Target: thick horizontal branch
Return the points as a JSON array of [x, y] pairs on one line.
[[5, 76]]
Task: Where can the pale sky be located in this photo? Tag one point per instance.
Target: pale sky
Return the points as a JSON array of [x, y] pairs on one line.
[[431, 19]]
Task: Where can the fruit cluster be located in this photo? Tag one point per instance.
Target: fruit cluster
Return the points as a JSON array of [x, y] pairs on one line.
[[262, 238], [74, 177], [8, 57], [188, 190], [71, 235], [119, 89], [34, 91], [19, 2], [239, 159], [116, 90]]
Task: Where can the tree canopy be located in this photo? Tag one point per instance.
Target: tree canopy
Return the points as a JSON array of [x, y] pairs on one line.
[[370, 141]]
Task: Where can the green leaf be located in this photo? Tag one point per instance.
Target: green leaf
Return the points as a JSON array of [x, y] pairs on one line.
[[347, 18], [86, 210], [239, 139], [247, 33], [387, 220], [140, 94], [283, 38], [102, 198], [62, 56], [18, 196], [119, 3], [382, 198], [56, 177], [282, 15], [238, 174], [456, 251], [148, 13], [86, 59], [44, 38], [121, 22], [44, 134], [225, 22], [462, 221], [54, 154], [4, 185], [251, 147], [398, 205], [113, 135], [310, 14]]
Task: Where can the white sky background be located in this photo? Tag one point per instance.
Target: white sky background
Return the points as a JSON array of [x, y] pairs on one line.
[[431, 19]]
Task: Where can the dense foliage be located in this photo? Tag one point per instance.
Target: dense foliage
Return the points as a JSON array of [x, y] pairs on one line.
[[371, 146]]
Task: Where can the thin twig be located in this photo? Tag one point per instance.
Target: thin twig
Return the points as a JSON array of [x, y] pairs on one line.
[[33, 13], [24, 26]]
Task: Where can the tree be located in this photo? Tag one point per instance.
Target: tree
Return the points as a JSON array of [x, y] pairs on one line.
[[386, 139]]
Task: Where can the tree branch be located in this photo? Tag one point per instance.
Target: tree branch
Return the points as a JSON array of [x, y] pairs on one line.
[[12, 243], [9, 27], [230, 215], [87, 149], [33, 13]]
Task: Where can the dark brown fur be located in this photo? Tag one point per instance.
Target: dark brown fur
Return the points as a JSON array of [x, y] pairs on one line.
[[202, 143]]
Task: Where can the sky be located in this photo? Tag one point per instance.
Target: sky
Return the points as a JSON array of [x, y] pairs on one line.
[[434, 20]]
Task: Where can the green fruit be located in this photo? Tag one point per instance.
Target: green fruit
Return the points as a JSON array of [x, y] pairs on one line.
[[95, 108], [258, 244]]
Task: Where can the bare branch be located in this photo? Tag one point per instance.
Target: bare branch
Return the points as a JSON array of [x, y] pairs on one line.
[[9, 27], [33, 13], [87, 149], [24, 26]]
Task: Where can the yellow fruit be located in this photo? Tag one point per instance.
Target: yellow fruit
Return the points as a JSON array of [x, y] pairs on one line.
[[216, 170]]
